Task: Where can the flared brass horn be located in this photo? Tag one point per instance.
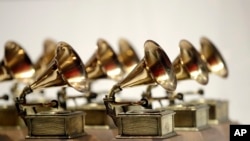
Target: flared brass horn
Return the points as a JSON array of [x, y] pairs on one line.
[[154, 68], [65, 69], [127, 55], [213, 58], [4, 73], [104, 63], [18, 62], [189, 64], [49, 50]]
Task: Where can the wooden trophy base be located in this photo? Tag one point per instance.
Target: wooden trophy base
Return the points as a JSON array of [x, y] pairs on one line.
[[61, 124], [218, 110], [190, 117], [146, 124]]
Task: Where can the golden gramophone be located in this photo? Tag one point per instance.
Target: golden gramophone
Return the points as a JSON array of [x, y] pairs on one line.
[[155, 68], [188, 65], [16, 66], [66, 69], [218, 111]]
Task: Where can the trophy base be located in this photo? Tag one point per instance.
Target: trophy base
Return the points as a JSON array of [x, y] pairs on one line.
[[218, 110], [63, 124], [145, 123], [190, 117]]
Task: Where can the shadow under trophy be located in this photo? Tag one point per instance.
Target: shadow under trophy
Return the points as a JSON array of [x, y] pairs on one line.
[[66, 69], [154, 69]]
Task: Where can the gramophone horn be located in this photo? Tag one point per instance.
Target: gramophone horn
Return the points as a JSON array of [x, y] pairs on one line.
[[189, 64], [4, 73], [65, 69], [154, 68], [49, 50], [18, 62], [127, 55], [104, 63], [214, 60]]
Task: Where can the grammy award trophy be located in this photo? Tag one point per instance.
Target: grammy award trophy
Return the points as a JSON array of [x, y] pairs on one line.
[[155, 68], [65, 69]]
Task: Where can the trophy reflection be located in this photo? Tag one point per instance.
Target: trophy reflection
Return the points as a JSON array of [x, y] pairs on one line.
[[65, 69], [218, 111], [155, 68], [16, 67]]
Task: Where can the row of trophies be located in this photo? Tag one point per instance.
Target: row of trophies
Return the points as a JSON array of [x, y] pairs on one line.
[[60, 66]]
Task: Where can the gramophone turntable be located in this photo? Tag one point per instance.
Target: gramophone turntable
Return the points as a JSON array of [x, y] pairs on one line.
[[155, 68], [65, 69]]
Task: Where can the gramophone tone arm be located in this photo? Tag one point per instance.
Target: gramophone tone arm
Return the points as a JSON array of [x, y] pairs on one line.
[[53, 104], [26, 90]]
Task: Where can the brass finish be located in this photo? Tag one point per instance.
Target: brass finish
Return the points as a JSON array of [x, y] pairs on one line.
[[20, 66], [4, 73], [155, 68], [189, 64], [65, 69], [104, 63], [49, 50], [213, 58], [190, 117], [62, 124], [127, 55]]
